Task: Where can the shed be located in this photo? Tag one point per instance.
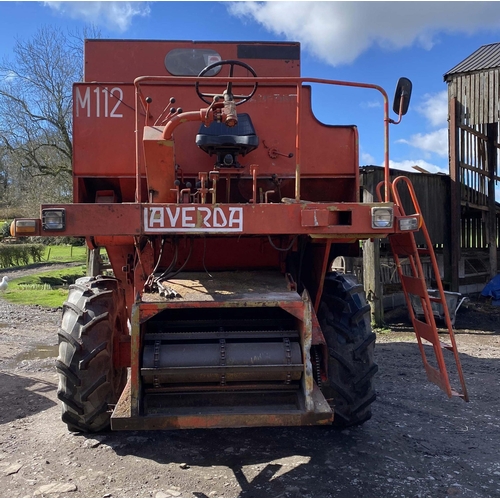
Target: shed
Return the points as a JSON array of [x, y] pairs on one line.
[[474, 113]]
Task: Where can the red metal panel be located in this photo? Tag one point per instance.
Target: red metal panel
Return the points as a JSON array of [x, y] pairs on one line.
[[104, 124], [125, 60], [103, 130], [106, 219]]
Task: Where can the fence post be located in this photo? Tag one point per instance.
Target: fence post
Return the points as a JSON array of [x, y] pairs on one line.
[[371, 273]]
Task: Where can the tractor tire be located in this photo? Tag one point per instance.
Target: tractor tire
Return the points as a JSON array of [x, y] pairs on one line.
[[344, 317], [94, 316]]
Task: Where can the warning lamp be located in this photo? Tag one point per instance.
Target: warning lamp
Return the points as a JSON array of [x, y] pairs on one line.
[[53, 219], [409, 224], [382, 217], [23, 227]]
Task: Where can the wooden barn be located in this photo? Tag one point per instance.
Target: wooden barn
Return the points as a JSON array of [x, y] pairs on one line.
[[474, 113], [460, 210], [434, 193]]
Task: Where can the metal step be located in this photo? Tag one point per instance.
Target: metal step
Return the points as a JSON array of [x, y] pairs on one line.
[[281, 413], [404, 245]]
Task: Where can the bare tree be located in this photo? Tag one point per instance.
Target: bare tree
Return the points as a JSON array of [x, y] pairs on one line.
[[36, 103]]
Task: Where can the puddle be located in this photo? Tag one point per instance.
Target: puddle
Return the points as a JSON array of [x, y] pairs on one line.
[[39, 352], [4, 325]]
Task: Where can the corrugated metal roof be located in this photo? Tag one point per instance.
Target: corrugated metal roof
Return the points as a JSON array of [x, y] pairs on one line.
[[486, 57]]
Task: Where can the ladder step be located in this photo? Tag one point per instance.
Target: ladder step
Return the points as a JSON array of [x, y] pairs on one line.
[[458, 394], [415, 286], [425, 331], [437, 378], [446, 346], [435, 299], [403, 244]]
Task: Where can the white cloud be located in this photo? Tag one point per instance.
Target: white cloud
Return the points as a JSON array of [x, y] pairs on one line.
[[435, 108], [114, 15], [407, 165], [371, 104], [433, 142], [366, 159], [338, 32]]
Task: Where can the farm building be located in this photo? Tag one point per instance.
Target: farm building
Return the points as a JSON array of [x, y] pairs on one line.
[[459, 209], [474, 104]]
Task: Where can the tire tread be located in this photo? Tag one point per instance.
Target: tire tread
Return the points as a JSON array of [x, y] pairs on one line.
[[345, 321], [88, 381]]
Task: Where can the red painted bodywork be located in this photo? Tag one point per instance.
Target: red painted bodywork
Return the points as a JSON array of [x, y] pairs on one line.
[[158, 203], [136, 167], [303, 179]]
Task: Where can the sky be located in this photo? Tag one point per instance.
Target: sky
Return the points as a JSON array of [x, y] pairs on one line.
[[370, 42]]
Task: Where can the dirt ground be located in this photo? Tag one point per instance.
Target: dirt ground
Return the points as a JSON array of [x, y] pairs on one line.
[[418, 443]]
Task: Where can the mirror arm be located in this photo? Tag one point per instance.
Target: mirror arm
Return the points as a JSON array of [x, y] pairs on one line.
[[400, 112]]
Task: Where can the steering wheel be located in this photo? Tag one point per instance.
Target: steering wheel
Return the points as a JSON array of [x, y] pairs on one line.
[[229, 88]]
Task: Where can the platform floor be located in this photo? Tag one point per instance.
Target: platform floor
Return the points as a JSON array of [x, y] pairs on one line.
[[225, 286]]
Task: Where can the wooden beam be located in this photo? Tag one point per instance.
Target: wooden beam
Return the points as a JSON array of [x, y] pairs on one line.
[[454, 241], [371, 272], [491, 214]]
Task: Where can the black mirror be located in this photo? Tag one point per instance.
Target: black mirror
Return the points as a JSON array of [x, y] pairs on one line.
[[403, 90]]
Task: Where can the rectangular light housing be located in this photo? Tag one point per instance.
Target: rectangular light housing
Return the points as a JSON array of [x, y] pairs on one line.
[[25, 227], [382, 218], [409, 224], [53, 219]]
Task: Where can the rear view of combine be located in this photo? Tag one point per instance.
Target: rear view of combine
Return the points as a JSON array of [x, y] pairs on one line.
[[220, 224]]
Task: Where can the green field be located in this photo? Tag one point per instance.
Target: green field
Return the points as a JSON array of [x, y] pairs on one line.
[[64, 253], [47, 289]]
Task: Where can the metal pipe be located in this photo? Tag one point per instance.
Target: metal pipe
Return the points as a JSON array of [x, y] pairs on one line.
[[138, 187], [297, 146]]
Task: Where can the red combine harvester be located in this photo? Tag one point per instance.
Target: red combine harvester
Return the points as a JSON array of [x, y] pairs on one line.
[[221, 224]]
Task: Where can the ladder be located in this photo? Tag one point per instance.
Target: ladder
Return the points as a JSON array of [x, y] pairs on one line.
[[404, 247]]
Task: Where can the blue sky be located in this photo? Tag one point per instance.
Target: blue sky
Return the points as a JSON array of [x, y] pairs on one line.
[[372, 42]]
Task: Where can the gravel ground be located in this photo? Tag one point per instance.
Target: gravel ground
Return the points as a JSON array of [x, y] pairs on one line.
[[418, 443]]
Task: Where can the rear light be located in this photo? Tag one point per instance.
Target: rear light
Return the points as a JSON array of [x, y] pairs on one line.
[[53, 219], [23, 227], [382, 217], [409, 224]]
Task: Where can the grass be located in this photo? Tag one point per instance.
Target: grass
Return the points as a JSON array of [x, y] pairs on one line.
[[47, 289], [50, 288], [64, 253]]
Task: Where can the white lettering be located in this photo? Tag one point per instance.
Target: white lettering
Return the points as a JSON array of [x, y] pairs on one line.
[[114, 114], [173, 219], [223, 222], [82, 103], [97, 103], [187, 220], [101, 110], [156, 217], [236, 217], [106, 100], [192, 219], [208, 214]]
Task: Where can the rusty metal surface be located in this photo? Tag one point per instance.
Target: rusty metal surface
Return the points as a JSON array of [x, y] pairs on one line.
[[226, 286], [134, 386], [237, 219], [306, 334], [196, 418]]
